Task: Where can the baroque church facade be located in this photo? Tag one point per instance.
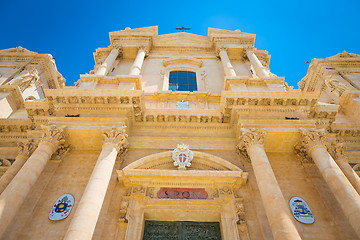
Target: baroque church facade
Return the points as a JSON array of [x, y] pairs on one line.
[[179, 136]]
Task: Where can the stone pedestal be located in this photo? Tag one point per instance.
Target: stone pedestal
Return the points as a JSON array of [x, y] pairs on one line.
[[260, 70], [228, 68], [26, 148], [276, 208], [109, 61], [83, 224], [343, 191], [15, 193], [136, 67]]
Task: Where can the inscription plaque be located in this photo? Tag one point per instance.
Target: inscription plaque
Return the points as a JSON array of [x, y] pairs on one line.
[[182, 193]]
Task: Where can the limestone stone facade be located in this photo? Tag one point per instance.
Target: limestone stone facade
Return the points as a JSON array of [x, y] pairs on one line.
[[250, 142]]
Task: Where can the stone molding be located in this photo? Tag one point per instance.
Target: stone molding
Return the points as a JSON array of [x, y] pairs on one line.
[[53, 134], [118, 137], [26, 147]]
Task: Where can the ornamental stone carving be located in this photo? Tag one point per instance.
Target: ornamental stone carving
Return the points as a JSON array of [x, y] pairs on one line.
[[251, 137], [53, 134], [27, 147], [337, 151], [25, 80], [118, 137], [310, 139]]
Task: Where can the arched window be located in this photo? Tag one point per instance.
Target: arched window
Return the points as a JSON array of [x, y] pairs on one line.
[[182, 81]]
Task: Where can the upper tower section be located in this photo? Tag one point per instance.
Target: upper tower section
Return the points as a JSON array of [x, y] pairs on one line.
[[141, 59]]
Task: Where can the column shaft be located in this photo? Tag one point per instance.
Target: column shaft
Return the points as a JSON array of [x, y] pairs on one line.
[[12, 171], [136, 67], [343, 191], [15, 193], [349, 173], [228, 68], [260, 70], [275, 205], [109, 61], [83, 224]]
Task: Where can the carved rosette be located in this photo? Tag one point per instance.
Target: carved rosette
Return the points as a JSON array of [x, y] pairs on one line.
[[54, 135], [118, 137], [26, 148]]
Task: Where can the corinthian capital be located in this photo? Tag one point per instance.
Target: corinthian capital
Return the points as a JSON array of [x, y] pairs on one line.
[[53, 134], [118, 137], [312, 138], [251, 137], [337, 151], [26, 148]]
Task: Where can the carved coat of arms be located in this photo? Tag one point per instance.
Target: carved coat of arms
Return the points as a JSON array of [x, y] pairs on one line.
[[62, 207], [182, 156]]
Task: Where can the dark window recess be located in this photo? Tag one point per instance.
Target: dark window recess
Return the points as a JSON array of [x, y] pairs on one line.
[[69, 115], [112, 69], [182, 81], [290, 118]]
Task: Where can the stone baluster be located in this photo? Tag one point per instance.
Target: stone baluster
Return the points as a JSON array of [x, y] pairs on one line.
[[276, 208], [26, 148], [83, 224], [15, 193], [312, 142], [337, 151], [260, 70], [136, 67], [228, 68], [104, 68]]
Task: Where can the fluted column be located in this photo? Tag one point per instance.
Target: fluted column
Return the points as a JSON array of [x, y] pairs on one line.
[[104, 68], [26, 148], [276, 208], [15, 193], [228, 68], [337, 151], [349, 200], [260, 70], [83, 224], [136, 67]]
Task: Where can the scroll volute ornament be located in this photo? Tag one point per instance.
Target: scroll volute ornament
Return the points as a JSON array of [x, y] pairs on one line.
[[53, 134], [27, 147], [118, 137], [251, 137]]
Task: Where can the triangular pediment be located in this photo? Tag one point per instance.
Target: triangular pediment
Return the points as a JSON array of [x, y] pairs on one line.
[[182, 39], [16, 50], [343, 55]]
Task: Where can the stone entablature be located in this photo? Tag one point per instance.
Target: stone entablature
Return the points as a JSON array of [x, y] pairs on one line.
[[124, 82], [239, 83]]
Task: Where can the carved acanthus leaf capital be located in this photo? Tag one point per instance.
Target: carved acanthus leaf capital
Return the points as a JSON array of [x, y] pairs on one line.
[[27, 147], [53, 134], [250, 137], [337, 151], [118, 137], [117, 47], [312, 137]]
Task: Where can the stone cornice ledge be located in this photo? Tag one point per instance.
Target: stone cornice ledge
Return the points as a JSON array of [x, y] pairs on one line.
[[100, 79]]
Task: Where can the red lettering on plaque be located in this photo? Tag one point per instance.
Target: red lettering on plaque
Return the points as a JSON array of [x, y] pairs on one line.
[[182, 193]]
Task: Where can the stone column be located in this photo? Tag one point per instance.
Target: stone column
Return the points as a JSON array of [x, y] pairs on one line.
[[15, 193], [313, 143], [136, 67], [337, 151], [276, 208], [260, 70], [83, 224], [104, 68], [26, 148], [228, 68]]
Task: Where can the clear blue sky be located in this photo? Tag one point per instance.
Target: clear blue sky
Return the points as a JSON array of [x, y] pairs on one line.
[[292, 31]]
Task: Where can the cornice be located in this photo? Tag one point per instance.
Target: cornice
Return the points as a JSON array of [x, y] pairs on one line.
[[182, 60], [100, 79]]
